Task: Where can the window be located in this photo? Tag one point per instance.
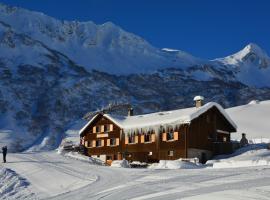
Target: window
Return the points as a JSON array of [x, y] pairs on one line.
[[106, 127], [150, 153], [170, 153], [170, 135], [112, 141], [97, 129], [98, 143], [224, 139], [147, 137], [131, 139]]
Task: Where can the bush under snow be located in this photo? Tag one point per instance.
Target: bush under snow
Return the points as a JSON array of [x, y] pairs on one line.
[[120, 163], [175, 164]]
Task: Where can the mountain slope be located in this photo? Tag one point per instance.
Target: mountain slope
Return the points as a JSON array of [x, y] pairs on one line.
[[251, 65]]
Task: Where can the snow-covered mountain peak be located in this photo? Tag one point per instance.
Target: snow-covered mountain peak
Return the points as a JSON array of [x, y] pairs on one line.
[[253, 48], [251, 55]]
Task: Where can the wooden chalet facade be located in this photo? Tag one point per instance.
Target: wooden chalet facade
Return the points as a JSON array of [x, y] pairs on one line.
[[200, 132]]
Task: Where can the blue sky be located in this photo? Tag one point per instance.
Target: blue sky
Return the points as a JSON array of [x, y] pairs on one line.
[[204, 28]]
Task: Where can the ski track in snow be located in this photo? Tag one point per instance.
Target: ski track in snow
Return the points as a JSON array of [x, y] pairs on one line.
[[52, 176]]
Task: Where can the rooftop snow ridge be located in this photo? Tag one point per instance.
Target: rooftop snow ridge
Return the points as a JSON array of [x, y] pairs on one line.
[[158, 120]]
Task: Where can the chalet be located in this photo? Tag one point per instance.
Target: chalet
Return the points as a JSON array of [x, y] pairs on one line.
[[201, 131]]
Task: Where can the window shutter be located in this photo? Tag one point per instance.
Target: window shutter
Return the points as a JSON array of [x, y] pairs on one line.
[[86, 143], [164, 136], [175, 135], [153, 137], [93, 143], [102, 143], [117, 141], [102, 129], [126, 139], [142, 138], [111, 127], [108, 142], [136, 139], [94, 129]]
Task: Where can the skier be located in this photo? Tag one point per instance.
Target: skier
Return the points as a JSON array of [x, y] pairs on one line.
[[4, 151]]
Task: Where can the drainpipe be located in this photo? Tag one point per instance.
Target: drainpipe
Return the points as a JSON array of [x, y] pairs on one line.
[[186, 141]]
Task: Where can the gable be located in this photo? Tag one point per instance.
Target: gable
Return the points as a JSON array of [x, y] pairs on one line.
[[98, 119]]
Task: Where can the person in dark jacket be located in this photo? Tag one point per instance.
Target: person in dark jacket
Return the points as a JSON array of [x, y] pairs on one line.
[[4, 151]]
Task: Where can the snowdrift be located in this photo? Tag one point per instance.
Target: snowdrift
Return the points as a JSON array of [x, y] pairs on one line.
[[120, 164], [175, 164], [250, 156], [13, 186]]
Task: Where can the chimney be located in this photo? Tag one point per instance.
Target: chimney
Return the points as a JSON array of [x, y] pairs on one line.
[[130, 111], [198, 101]]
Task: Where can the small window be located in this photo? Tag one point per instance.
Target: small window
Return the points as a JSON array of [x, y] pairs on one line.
[[131, 139], [112, 141], [150, 153], [98, 143], [109, 158], [106, 127], [97, 129], [170, 135], [147, 137], [170, 153]]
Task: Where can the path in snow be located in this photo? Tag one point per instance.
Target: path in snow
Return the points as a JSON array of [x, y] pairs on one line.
[[53, 176]]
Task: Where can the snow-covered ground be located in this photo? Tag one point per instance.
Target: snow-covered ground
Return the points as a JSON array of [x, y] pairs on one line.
[[48, 175], [245, 174]]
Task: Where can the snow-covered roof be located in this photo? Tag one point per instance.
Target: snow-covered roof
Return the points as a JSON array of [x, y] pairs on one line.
[[154, 121]]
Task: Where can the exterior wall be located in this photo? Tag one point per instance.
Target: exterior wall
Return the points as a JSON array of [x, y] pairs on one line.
[[158, 150], [203, 134], [178, 147]]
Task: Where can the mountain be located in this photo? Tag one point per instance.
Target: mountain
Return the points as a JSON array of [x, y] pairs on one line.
[[251, 65], [103, 47], [52, 72]]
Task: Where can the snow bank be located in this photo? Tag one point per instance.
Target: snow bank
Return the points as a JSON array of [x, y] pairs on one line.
[[248, 156], [175, 164], [120, 164], [78, 156], [241, 163], [13, 186]]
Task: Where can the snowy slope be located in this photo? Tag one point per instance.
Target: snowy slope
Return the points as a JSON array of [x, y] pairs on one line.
[[252, 119]]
